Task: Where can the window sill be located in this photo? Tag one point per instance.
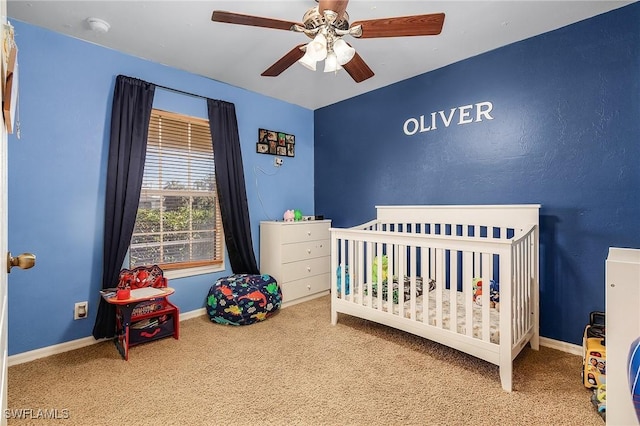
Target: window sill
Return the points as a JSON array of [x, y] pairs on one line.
[[189, 272]]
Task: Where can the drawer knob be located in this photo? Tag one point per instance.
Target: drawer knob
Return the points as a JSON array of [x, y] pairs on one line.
[[308, 268], [309, 233], [308, 287], [309, 251]]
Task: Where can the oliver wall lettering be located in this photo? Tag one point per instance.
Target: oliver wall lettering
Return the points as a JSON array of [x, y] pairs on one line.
[[465, 114]]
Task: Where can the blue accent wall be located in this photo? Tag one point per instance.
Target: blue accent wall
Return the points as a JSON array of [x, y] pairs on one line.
[[57, 173], [565, 133]]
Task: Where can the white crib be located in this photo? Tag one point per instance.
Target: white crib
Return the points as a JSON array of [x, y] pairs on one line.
[[382, 271]]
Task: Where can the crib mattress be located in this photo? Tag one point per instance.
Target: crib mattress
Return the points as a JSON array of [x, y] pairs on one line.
[[494, 315]]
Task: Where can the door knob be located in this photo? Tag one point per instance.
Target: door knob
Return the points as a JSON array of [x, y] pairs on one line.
[[22, 261]]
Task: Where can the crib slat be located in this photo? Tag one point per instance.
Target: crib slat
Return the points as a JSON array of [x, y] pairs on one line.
[[424, 271], [514, 295], [453, 292], [528, 280], [348, 272], [487, 275], [366, 265], [342, 265], [400, 273], [379, 275], [391, 261], [356, 277], [467, 287], [522, 297], [518, 293], [522, 289], [440, 278], [412, 284]]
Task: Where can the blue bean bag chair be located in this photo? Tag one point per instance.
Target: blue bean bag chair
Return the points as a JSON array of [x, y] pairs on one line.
[[243, 299]]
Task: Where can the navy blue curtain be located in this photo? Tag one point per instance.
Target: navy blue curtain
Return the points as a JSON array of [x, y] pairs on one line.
[[231, 188], [130, 115]]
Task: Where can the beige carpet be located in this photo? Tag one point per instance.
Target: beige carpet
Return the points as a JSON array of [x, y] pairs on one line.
[[297, 369]]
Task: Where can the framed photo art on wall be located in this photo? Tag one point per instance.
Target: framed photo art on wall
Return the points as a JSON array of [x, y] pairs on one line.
[[276, 143]]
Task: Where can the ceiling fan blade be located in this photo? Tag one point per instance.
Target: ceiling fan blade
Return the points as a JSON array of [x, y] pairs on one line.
[[402, 26], [285, 62], [358, 69], [254, 21]]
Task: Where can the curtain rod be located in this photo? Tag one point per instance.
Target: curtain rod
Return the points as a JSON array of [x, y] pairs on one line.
[[180, 91]]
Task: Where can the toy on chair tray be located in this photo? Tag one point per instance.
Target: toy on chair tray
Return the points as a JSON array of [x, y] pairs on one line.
[[142, 276]]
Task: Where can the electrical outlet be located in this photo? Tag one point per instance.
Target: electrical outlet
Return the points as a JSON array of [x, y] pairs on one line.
[[277, 162], [81, 310]]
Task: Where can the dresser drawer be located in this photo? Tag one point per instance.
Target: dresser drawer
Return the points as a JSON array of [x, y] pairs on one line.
[[305, 231], [304, 269], [305, 250], [292, 290]]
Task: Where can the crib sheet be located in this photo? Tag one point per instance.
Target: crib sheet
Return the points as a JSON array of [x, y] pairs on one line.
[[494, 328]]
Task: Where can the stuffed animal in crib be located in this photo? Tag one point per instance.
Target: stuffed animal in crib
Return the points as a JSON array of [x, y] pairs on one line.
[[385, 269], [288, 216], [494, 293], [477, 291]]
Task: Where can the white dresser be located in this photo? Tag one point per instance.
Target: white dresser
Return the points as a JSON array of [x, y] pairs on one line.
[[298, 256]]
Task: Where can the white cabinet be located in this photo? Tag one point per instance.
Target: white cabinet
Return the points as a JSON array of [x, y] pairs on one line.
[[298, 256], [622, 327]]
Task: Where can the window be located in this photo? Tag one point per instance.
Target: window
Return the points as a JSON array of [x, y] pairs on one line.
[[178, 224]]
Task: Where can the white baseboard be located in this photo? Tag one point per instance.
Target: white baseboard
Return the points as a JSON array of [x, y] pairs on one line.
[[51, 350], [561, 346], [304, 299], [192, 314], [86, 341], [77, 344]]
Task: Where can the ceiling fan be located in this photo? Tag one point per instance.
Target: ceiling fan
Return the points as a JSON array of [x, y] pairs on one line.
[[326, 24]]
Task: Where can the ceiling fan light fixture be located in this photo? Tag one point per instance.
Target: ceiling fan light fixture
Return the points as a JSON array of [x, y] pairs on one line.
[[317, 48], [307, 61], [331, 63], [344, 52]]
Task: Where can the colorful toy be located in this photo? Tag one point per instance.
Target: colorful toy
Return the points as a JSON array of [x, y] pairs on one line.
[[595, 352], [477, 291], [396, 289], [297, 215], [385, 267], [142, 276], [494, 293], [599, 400], [346, 279], [288, 216]]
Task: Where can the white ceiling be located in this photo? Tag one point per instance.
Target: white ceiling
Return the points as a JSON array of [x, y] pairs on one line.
[[181, 34]]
